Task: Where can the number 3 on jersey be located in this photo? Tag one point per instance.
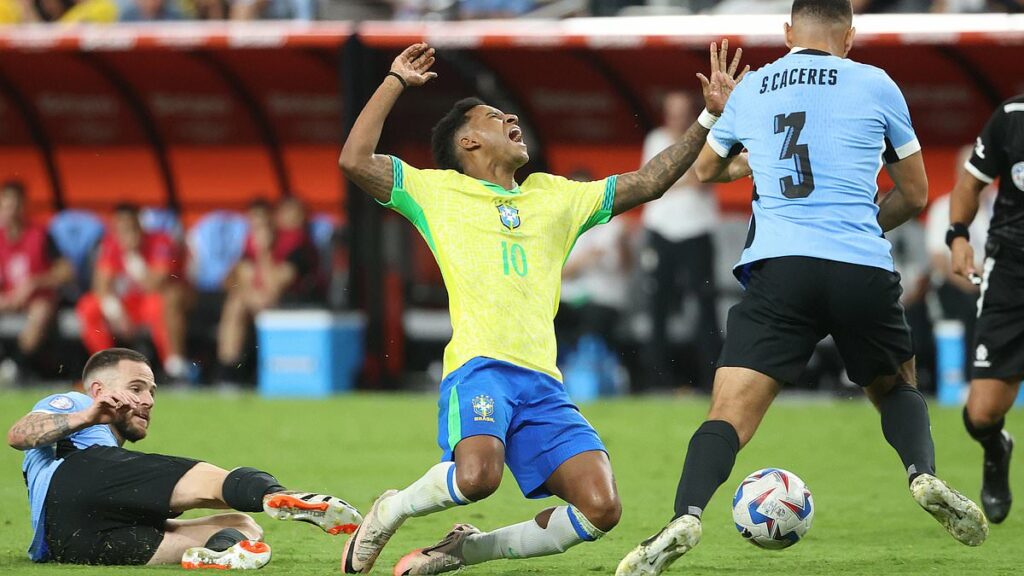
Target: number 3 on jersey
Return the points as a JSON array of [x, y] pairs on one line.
[[513, 257], [792, 125]]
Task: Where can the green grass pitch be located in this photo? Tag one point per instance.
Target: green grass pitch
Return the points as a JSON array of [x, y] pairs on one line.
[[357, 446]]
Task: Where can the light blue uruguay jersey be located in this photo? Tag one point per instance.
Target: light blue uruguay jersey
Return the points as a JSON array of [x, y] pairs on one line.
[[40, 463], [816, 127]]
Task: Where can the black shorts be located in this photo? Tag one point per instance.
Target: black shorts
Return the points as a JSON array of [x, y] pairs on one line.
[[791, 303], [999, 334], [108, 505]]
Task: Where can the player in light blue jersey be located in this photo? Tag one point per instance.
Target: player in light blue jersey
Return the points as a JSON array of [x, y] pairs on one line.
[[94, 502], [817, 129]]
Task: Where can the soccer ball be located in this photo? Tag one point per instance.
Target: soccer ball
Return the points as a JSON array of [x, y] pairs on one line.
[[773, 508]]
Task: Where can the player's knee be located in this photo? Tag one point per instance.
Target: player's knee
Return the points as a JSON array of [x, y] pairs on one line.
[[603, 511], [478, 480], [984, 415]]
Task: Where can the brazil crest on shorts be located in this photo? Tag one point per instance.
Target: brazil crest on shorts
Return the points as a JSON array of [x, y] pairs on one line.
[[509, 215], [483, 407]]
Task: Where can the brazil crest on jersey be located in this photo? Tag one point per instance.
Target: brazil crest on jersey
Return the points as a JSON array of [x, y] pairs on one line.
[[817, 128], [501, 254]]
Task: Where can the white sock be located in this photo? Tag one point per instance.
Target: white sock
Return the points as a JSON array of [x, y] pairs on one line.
[[437, 490], [567, 527]]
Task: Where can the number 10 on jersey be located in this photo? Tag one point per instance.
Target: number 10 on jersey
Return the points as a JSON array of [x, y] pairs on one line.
[[513, 258]]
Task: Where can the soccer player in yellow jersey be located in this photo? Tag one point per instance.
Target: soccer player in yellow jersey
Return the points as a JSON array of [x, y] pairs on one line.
[[501, 246]]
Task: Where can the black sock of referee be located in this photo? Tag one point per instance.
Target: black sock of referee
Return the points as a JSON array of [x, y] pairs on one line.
[[244, 489], [990, 437], [709, 461], [906, 427], [224, 539]]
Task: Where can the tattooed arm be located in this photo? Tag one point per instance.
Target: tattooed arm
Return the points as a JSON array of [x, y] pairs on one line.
[[41, 429], [656, 176], [359, 160]]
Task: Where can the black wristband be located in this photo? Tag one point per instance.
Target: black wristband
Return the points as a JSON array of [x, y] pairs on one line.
[[957, 230], [400, 79]]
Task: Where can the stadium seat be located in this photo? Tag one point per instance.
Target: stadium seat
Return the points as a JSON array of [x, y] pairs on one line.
[[77, 233], [215, 244], [161, 220]]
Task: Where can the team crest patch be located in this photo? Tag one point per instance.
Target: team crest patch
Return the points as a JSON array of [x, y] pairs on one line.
[[483, 407], [509, 216], [981, 357], [1017, 172], [61, 403]]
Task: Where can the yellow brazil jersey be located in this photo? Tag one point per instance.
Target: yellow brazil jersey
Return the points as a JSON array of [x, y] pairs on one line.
[[501, 254]]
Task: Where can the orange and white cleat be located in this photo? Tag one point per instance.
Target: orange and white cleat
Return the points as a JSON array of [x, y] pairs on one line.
[[332, 515], [246, 555]]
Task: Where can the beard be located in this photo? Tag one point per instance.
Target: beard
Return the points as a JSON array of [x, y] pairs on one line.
[[129, 431]]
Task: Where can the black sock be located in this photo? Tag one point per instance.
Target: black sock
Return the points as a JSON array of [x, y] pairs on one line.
[[224, 539], [906, 427], [244, 489], [709, 461], [990, 437]]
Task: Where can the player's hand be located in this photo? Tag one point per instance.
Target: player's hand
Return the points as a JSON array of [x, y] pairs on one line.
[[723, 77], [963, 258], [112, 406], [414, 63]]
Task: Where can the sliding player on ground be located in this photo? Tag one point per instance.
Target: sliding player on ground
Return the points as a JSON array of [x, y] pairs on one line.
[[94, 502]]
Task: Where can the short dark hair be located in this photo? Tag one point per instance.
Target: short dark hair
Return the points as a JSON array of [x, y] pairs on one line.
[[826, 10], [126, 208], [442, 137], [259, 203], [16, 187], [109, 358]]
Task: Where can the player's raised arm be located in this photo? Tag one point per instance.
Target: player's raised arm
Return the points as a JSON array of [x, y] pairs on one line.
[[359, 160], [43, 428], [656, 176]]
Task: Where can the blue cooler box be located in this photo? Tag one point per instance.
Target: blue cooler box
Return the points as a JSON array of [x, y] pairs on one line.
[[309, 353]]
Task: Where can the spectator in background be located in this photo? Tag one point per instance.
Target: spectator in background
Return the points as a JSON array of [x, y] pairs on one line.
[[279, 266], [956, 298], [481, 9], [679, 258], [137, 284], [31, 271], [36, 11], [595, 281], [151, 11], [302, 10]]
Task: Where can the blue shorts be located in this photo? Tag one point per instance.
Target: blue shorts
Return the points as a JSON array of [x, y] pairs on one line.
[[527, 410]]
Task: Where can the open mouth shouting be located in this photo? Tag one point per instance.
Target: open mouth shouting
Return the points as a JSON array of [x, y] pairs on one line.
[[515, 134]]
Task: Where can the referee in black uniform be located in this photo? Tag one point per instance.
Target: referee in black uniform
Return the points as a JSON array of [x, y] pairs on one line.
[[998, 364]]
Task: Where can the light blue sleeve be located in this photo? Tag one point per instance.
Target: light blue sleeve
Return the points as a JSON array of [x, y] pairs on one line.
[[723, 138], [65, 403], [901, 141]]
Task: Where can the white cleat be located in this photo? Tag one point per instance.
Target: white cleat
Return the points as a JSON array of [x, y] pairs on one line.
[[364, 546], [961, 517], [444, 556], [246, 555], [658, 552], [332, 515]]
